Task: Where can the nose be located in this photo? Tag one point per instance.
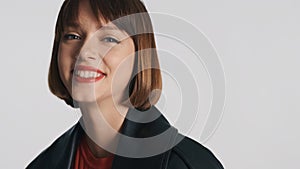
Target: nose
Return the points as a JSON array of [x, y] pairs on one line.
[[86, 56], [88, 52]]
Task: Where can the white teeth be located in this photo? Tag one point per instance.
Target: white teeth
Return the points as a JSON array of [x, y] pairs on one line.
[[87, 74], [81, 74], [90, 74]]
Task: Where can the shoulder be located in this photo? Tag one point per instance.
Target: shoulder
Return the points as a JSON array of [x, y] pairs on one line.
[[49, 158], [189, 154]]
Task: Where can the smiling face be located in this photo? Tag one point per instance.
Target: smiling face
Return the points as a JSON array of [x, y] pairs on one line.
[[95, 60]]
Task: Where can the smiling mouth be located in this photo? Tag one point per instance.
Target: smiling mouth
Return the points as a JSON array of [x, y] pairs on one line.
[[87, 74]]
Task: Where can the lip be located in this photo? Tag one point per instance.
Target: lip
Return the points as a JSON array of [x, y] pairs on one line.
[[87, 68]]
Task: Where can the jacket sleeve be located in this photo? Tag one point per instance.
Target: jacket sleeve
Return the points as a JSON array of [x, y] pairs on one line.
[[188, 154]]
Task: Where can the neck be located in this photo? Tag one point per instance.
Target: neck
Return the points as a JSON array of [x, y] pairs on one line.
[[102, 123]]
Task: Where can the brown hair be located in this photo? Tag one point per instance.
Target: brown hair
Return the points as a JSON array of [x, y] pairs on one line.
[[146, 76]]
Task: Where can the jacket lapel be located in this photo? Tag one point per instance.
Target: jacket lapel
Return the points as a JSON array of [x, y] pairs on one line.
[[67, 148]]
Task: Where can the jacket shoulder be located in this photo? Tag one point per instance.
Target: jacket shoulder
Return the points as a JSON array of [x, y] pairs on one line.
[[48, 158], [189, 154]]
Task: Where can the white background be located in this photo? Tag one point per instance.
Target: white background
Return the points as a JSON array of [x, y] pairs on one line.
[[258, 44]]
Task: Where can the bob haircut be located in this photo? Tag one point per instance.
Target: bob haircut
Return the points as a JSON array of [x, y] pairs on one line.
[[146, 76]]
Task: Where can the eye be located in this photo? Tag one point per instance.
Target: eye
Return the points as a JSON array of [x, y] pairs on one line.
[[110, 40], [71, 37]]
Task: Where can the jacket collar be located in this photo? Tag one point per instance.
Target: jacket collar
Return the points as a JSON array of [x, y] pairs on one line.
[[137, 124], [147, 153]]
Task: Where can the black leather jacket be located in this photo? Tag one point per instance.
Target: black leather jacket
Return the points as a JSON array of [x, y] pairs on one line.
[[184, 154]]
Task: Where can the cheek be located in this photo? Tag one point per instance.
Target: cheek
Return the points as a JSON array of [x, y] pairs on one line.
[[61, 61], [64, 63], [120, 60], [120, 70]]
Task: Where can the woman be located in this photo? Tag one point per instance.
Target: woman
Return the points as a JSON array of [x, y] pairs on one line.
[[104, 62]]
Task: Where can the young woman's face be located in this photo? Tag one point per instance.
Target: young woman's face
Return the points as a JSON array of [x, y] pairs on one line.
[[95, 60]]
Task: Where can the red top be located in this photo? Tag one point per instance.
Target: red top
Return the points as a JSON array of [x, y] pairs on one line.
[[85, 159]]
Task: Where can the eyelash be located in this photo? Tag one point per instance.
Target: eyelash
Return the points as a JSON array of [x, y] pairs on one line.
[[71, 37], [76, 37], [110, 40]]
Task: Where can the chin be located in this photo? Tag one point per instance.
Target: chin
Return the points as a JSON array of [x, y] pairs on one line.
[[89, 97], [83, 96], [84, 99]]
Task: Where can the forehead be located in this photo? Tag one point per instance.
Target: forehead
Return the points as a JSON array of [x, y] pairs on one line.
[[99, 26], [81, 14]]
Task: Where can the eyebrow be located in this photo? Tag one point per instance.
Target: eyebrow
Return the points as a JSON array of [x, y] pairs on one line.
[[109, 27], [105, 27], [72, 24]]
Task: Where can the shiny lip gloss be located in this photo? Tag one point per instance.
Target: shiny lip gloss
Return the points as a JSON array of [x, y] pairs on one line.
[[81, 70]]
